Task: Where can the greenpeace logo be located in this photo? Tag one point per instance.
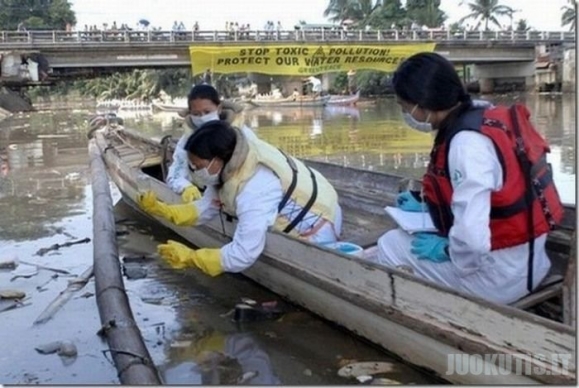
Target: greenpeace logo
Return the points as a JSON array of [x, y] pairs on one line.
[[508, 364]]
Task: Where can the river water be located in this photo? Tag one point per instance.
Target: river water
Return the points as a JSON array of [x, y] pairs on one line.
[[45, 199]]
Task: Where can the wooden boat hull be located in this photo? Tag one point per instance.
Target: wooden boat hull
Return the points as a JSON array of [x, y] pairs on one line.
[[338, 100], [168, 107], [290, 103], [421, 322]]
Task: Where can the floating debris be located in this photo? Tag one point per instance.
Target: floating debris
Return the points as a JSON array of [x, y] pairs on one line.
[[55, 247], [308, 372], [137, 259], [24, 271], [365, 368], [134, 271], [62, 348], [246, 377], [247, 313], [12, 294], [8, 264], [364, 378], [384, 381]]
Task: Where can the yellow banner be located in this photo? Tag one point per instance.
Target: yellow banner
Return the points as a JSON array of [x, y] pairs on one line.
[[301, 59]]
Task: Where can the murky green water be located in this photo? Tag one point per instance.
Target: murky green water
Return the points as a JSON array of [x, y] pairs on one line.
[[45, 198]]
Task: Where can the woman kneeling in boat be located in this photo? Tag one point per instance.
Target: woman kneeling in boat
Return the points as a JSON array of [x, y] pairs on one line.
[[260, 185], [204, 105], [474, 188]]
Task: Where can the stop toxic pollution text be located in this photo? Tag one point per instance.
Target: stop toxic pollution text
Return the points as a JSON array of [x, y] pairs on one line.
[[302, 59]]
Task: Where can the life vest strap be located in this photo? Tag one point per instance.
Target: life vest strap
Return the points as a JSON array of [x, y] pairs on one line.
[[287, 195]]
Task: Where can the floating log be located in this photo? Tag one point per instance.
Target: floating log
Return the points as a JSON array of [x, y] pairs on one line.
[[129, 353], [73, 286]]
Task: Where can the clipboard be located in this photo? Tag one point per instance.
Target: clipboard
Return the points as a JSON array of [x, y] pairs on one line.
[[411, 222]]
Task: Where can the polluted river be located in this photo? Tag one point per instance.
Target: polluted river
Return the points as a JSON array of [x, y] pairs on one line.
[[187, 319]]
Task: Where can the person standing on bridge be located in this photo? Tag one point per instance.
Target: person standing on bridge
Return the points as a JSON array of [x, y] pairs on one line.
[[204, 105], [259, 184], [207, 77], [488, 189]]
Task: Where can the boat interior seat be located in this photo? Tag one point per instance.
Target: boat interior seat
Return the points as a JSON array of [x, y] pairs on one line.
[[550, 287]]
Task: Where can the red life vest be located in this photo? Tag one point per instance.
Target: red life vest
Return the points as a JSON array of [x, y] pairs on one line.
[[509, 222]]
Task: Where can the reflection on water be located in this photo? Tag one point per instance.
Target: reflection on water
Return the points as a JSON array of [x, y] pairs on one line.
[[376, 138], [219, 359], [42, 180]]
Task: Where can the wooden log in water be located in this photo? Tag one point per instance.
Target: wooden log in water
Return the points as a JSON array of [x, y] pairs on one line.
[[129, 353]]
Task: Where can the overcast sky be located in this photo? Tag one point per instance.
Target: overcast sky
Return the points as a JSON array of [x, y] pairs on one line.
[[212, 14]]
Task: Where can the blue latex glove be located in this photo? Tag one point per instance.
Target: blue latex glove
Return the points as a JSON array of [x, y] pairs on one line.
[[430, 246], [409, 203]]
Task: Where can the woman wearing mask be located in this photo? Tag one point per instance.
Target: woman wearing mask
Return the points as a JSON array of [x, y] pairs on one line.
[[204, 106], [261, 186], [473, 189]]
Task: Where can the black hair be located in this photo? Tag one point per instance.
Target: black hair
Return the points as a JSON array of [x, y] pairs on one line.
[[213, 139], [430, 81], [203, 92]]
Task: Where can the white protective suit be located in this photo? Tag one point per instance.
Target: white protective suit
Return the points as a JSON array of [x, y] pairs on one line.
[[179, 176], [257, 204], [499, 276], [316, 84]]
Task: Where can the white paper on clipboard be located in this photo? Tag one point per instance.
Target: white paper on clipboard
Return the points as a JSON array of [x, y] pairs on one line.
[[411, 222]]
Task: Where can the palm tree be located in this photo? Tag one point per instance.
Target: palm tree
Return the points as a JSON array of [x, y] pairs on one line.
[[487, 11], [338, 10], [358, 11], [569, 14]]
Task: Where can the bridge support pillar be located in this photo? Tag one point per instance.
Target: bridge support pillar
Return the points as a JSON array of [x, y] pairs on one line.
[[502, 77], [487, 85]]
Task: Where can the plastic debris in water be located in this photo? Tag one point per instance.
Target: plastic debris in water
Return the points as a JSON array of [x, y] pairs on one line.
[[365, 368]]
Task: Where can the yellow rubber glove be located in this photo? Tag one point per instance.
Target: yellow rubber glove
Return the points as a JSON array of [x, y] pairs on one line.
[[179, 256], [190, 194], [182, 214]]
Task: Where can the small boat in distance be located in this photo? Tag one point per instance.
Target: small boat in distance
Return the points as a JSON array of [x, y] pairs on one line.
[[294, 102], [344, 100]]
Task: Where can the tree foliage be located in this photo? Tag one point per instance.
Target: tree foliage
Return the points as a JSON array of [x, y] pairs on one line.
[[425, 12], [384, 14], [569, 15], [36, 14], [144, 85], [487, 11]]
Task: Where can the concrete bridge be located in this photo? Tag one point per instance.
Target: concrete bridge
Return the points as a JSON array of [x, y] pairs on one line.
[[496, 54]]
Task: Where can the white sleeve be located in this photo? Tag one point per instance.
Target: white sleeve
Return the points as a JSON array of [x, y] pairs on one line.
[[207, 206], [475, 172], [178, 175], [256, 206]]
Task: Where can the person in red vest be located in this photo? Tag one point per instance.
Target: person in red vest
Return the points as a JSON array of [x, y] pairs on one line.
[[487, 170]]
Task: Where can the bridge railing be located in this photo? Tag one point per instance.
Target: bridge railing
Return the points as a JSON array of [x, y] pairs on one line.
[[20, 38]]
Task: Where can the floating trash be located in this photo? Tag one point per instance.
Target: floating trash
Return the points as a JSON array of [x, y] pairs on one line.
[[365, 369]]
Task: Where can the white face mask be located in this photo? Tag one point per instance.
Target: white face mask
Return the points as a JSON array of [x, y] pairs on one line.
[[415, 124], [200, 120], [205, 177]]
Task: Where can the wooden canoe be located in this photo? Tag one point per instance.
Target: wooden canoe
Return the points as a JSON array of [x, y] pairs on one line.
[[339, 100], [300, 102], [421, 322]]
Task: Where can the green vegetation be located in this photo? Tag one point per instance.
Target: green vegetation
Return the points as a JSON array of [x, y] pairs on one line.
[[569, 15], [36, 14], [384, 14], [485, 11]]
